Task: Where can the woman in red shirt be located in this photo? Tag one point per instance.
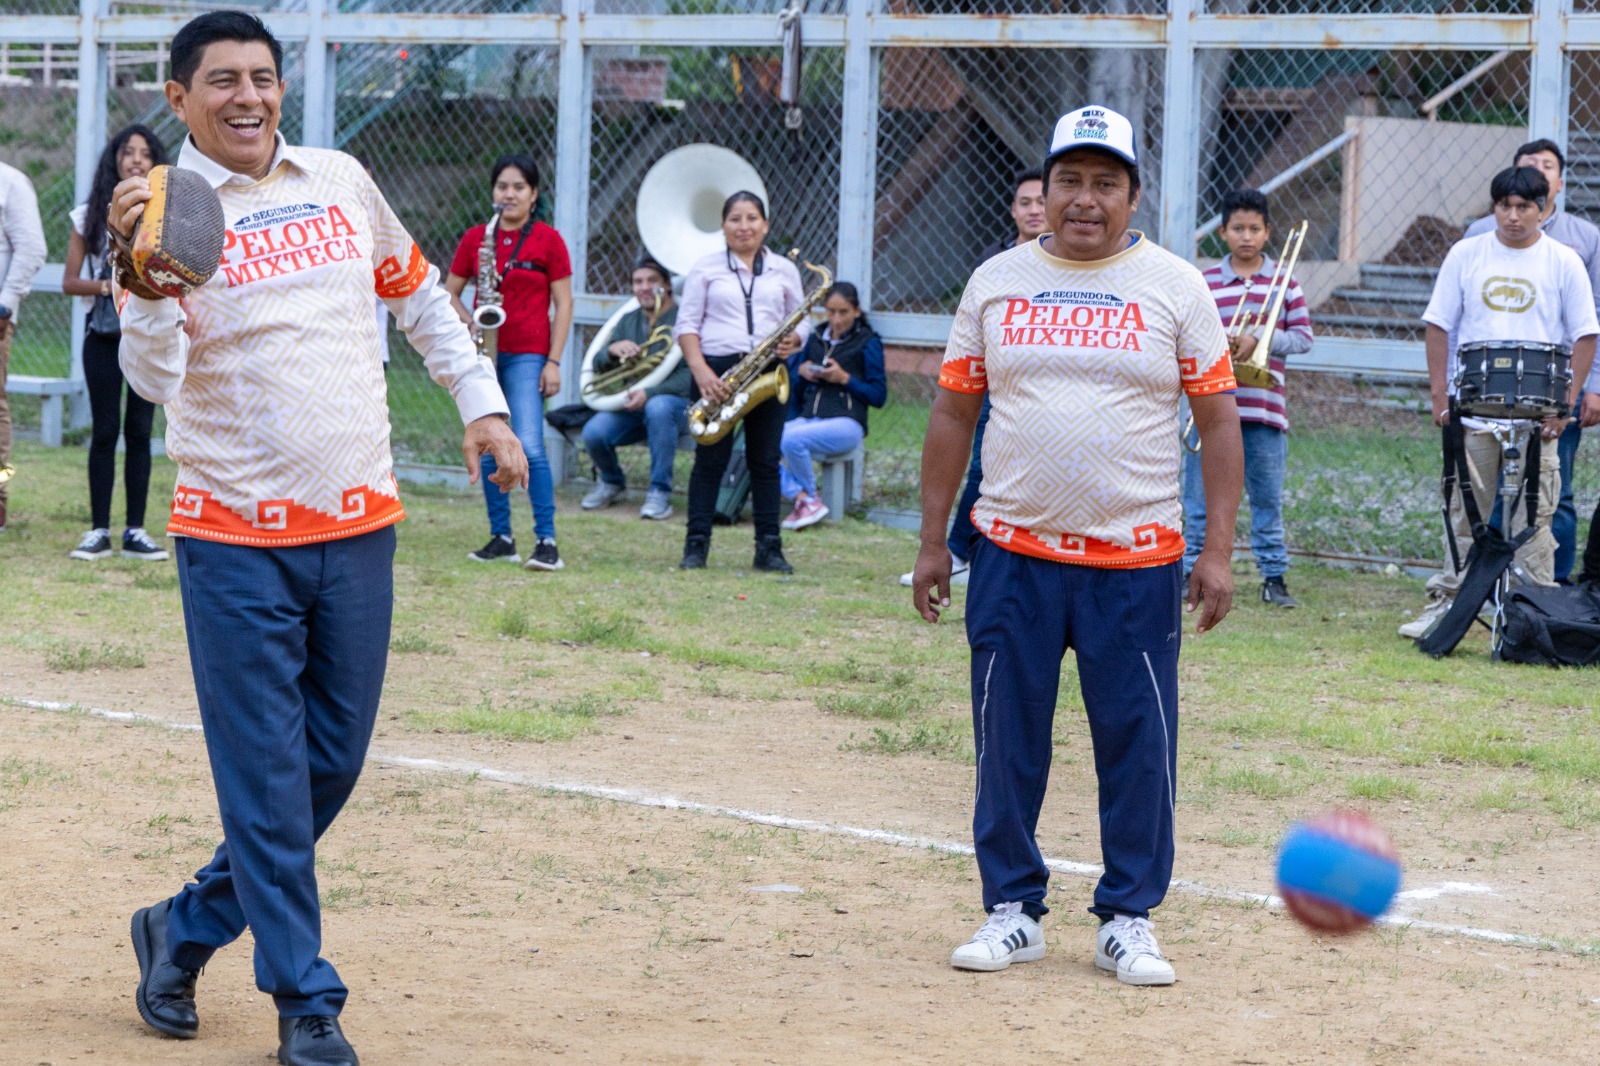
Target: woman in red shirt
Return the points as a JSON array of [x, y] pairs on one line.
[[535, 273]]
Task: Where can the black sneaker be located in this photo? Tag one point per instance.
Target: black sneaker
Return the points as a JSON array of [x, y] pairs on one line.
[[96, 544], [769, 556], [136, 544], [695, 550], [500, 549], [544, 557], [1275, 592]]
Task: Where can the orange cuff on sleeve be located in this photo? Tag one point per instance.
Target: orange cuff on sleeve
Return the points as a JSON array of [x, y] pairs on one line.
[[965, 374], [393, 283], [1219, 378]]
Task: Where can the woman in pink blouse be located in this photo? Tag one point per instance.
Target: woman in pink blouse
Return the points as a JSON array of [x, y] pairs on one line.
[[732, 299]]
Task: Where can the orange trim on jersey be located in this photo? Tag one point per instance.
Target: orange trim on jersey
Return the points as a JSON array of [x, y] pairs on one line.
[[964, 374], [1155, 545], [1217, 379], [280, 523], [392, 283]]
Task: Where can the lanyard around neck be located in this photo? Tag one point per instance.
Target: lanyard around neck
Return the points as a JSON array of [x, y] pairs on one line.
[[749, 294], [494, 236]]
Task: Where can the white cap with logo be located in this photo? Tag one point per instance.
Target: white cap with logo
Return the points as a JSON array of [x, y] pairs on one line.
[[1093, 127]]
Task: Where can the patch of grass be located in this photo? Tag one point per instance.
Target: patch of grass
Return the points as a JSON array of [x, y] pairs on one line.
[[1381, 788], [156, 579], [557, 720], [608, 629], [513, 623], [417, 644], [1262, 784], [941, 738], [64, 656], [893, 706]]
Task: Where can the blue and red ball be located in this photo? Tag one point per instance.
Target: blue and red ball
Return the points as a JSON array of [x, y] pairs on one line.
[[1338, 873]]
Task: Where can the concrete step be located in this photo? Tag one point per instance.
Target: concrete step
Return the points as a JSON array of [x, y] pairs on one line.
[[1392, 303], [1384, 277]]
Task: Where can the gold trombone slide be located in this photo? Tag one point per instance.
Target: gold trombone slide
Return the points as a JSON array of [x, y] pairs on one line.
[[1254, 371]]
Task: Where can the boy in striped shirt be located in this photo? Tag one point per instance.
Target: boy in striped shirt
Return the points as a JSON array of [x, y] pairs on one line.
[[1243, 275]]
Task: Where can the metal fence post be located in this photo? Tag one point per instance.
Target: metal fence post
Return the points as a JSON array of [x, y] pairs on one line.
[[858, 149], [574, 95], [90, 136], [1548, 71], [1180, 132], [320, 88]]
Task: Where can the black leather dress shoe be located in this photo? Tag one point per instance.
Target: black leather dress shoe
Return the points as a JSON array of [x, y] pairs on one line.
[[165, 996], [315, 1040]]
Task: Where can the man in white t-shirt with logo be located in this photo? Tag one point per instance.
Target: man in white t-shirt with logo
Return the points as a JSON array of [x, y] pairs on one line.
[[1515, 284], [1084, 341]]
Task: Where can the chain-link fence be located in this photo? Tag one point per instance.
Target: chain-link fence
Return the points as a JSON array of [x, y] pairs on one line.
[[902, 166]]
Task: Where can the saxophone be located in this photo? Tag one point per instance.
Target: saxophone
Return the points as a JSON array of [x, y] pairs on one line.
[[754, 379], [488, 315]]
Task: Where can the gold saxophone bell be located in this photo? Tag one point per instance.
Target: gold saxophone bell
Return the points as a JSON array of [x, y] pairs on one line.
[[755, 379]]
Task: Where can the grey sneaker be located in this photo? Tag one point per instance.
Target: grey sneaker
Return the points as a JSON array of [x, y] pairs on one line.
[[604, 494], [1438, 606], [657, 505]]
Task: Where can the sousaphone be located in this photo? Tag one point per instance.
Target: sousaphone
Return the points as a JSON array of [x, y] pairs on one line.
[[679, 216]]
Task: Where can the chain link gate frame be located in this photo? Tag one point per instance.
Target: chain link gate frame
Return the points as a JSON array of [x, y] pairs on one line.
[[883, 59]]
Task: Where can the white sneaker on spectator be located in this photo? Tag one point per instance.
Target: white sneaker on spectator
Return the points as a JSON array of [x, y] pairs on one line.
[[958, 572], [1127, 946], [1008, 936], [657, 505], [1438, 607], [604, 494]]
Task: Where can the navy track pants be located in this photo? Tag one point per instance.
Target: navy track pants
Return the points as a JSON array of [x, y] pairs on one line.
[[1023, 613], [288, 647]]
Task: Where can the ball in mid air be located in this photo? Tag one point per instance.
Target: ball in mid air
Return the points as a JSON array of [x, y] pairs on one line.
[[1338, 873]]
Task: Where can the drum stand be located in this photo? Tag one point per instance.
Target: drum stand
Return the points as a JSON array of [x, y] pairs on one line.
[[1509, 436]]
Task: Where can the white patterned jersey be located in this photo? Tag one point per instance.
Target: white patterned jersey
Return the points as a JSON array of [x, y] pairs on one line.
[[1084, 364], [272, 372]]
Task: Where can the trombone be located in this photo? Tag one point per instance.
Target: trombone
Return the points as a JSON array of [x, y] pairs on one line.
[[1254, 371]]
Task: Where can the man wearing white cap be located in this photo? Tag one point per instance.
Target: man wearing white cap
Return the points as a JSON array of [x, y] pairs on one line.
[[1084, 341]]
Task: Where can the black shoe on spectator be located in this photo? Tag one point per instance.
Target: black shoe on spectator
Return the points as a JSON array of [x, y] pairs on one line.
[[500, 549], [1275, 592], [769, 556], [695, 550]]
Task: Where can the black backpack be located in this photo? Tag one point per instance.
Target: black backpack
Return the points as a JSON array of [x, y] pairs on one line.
[[1557, 626]]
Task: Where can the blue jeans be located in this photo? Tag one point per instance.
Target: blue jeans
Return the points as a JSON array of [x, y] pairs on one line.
[[519, 380], [288, 647], [962, 530], [660, 423], [1124, 627], [1266, 457], [804, 438]]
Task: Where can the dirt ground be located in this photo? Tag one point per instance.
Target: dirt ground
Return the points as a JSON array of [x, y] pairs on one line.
[[478, 922]]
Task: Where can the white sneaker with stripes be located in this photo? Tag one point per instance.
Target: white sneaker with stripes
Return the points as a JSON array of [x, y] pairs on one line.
[[1127, 947], [1008, 936]]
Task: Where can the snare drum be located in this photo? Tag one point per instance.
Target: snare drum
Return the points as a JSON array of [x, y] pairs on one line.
[[1513, 379]]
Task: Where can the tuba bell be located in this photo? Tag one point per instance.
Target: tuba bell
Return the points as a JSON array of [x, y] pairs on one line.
[[679, 216]]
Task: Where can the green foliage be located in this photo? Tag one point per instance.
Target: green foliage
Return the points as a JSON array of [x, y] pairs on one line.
[[70, 657]]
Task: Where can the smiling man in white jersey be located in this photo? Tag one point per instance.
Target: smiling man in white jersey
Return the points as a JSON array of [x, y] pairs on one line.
[[1084, 341], [284, 511]]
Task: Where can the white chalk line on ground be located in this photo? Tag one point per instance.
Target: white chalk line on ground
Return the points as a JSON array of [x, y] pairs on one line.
[[640, 798]]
